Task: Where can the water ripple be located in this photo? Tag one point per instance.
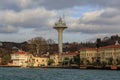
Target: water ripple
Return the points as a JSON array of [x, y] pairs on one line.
[[57, 74]]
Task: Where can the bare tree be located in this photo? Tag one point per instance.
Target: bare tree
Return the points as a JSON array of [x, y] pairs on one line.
[[39, 43], [50, 43]]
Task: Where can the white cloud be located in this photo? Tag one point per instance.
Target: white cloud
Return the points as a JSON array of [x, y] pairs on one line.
[[97, 22], [28, 18], [40, 16], [24, 3], [8, 29], [89, 16]]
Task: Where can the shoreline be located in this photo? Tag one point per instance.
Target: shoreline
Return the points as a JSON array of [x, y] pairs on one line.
[[72, 67]]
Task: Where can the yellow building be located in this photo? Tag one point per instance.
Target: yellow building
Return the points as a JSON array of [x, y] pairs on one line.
[[109, 54], [68, 56], [40, 61], [54, 57], [88, 55]]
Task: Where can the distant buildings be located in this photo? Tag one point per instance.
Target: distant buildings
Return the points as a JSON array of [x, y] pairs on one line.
[[88, 55], [110, 54], [24, 59], [67, 56], [55, 58], [107, 55], [40, 61], [20, 58]]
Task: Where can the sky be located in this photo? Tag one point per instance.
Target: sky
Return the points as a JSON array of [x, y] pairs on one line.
[[21, 20]]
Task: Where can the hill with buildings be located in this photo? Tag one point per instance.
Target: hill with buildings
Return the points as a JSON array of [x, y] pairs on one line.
[[39, 46]]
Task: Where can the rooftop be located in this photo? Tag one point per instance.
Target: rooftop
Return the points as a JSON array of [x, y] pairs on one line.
[[110, 46], [21, 52], [89, 49]]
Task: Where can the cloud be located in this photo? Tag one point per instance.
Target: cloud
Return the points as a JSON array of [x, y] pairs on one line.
[[97, 22], [88, 17], [28, 18], [61, 4], [8, 29], [43, 18], [55, 4]]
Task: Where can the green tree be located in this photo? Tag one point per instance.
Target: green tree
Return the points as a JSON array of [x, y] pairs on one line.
[[103, 63], [77, 59], [110, 60], [50, 61], [98, 43], [5, 59], [66, 61], [118, 61]]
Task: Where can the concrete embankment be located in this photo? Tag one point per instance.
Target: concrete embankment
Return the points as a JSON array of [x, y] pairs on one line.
[[74, 67], [8, 66]]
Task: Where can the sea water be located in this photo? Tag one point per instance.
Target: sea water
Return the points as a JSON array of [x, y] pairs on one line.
[[57, 74]]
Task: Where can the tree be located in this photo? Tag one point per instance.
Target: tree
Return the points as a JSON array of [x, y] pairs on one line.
[[66, 61], [77, 59], [5, 59], [110, 60], [118, 61], [98, 43], [39, 44], [50, 61], [50, 44]]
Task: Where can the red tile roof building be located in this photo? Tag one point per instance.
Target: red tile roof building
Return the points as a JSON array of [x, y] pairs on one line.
[[68, 55], [20, 58], [104, 53], [87, 55], [109, 52]]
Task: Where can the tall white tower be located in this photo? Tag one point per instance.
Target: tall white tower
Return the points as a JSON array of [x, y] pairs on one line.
[[60, 26]]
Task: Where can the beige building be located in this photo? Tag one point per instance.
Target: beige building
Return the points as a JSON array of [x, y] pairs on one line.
[[40, 61], [20, 58], [109, 52], [55, 58], [88, 55], [24, 59], [68, 56]]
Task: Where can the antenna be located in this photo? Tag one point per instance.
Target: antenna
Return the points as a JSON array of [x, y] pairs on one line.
[[64, 18]]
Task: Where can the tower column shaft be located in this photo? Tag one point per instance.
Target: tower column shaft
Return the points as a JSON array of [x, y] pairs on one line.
[[60, 40]]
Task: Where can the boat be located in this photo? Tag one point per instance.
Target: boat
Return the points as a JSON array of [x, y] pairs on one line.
[[113, 67]]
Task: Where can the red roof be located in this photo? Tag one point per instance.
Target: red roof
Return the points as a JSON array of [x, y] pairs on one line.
[[21, 52], [89, 49], [110, 46], [71, 53]]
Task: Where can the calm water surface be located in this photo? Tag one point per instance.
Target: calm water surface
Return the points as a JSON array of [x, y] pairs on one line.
[[57, 74]]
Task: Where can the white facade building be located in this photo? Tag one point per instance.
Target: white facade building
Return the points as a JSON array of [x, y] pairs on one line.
[[21, 58]]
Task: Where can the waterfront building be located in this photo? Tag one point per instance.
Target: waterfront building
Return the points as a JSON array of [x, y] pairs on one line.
[[40, 61], [107, 55], [55, 58], [67, 56], [88, 55], [20, 58], [110, 54]]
